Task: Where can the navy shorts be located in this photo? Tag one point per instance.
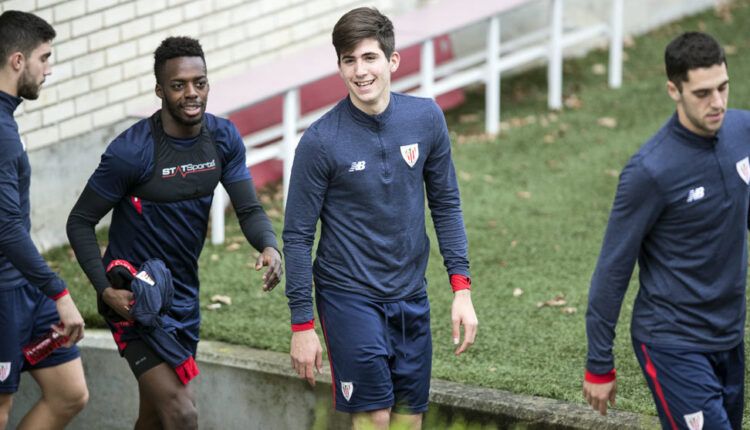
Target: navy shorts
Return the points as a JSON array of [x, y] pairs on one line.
[[380, 352], [695, 390], [26, 314]]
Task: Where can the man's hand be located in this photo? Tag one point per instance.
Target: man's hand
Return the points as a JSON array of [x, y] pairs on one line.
[[307, 354], [271, 258], [597, 395], [119, 300], [462, 314], [71, 323]]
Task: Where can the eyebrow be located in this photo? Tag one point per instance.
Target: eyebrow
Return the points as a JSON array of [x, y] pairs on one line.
[[697, 90]]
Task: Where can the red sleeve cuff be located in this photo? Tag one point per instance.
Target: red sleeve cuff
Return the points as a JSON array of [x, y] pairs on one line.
[[59, 295], [600, 378], [460, 282], [304, 326]]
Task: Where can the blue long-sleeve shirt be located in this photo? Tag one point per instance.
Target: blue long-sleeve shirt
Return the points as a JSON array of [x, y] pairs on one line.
[[365, 178], [20, 261], [681, 210]]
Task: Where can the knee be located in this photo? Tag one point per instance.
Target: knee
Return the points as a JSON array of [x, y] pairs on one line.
[[73, 401], [180, 411], [6, 401], [381, 418]]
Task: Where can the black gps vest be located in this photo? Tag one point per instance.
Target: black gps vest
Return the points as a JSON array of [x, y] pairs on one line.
[[180, 173]]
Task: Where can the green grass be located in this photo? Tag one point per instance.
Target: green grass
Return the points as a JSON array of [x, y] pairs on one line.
[[536, 201]]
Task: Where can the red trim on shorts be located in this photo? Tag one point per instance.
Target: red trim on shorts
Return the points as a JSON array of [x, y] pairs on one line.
[[651, 371], [187, 370], [460, 282], [304, 326], [124, 263], [601, 378], [60, 295], [119, 331], [330, 361]]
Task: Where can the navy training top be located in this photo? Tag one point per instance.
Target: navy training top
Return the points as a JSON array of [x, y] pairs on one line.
[[20, 261], [365, 177], [681, 209], [173, 231]]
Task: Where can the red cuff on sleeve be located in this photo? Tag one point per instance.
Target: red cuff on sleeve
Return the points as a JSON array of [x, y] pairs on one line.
[[460, 282], [304, 326], [124, 263], [600, 379], [59, 295]]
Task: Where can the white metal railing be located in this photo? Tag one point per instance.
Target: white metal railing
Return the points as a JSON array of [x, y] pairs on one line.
[[481, 67]]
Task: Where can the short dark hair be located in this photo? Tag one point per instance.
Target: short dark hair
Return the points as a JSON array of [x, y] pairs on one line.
[[22, 32], [174, 47], [691, 50], [363, 23]]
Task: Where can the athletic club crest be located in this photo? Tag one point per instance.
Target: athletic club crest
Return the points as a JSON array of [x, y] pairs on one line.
[[743, 168], [695, 420], [4, 370], [410, 153], [347, 388]]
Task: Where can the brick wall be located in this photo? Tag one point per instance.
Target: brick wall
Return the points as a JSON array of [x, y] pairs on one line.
[[103, 54]]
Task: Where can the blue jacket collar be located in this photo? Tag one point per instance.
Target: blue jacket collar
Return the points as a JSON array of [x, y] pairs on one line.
[[371, 121], [688, 136], [9, 103]]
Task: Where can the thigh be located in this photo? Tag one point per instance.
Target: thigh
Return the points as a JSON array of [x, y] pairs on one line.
[[411, 363], [354, 330], [15, 324], [161, 386], [44, 315], [63, 381], [685, 387]]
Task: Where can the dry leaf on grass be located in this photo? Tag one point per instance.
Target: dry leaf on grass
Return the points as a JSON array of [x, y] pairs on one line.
[[219, 298], [599, 69], [214, 257], [568, 310], [612, 172], [573, 102], [233, 247], [517, 292], [523, 195], [213, 306], [558, 300], [607, 121]]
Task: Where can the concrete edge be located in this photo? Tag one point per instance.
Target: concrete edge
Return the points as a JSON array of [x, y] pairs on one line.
[[444, 393]]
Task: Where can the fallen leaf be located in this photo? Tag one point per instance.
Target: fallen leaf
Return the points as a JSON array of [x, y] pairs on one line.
[[569, 310], [213, 306], [730, 49], [233, 247], [214, 257], [573, 102], [465, 176], [219, 298], [523, 195], [612, 172], [549, 138], [607, 121], [517, 292], [598, 69], [558, 300], [468, 118], [513, 243], [493, 369]]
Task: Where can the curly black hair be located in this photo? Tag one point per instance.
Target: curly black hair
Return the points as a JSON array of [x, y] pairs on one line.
[[174, 47], [22, 32]]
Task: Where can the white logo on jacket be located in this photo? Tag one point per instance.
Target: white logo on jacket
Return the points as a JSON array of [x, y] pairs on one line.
[[743, 168], [410, 153], [696, 194], [357, 166], [4, 370]]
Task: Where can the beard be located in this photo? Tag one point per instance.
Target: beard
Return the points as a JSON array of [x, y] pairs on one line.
[[175, 113], [27, 88]]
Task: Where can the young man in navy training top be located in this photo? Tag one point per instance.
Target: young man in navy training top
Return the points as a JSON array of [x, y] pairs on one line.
[[681, 210], [158, 178], [362, 170], [33, 299]]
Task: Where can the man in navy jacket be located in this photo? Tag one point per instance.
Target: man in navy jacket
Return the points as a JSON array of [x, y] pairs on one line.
[[33, 298], [363, 170], [681, 210]]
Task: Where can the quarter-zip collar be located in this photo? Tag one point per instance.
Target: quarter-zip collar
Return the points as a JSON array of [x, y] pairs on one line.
[[689, 137], [375, 122]]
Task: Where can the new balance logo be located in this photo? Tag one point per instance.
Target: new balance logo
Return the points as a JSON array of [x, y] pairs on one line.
[[357, 166], [696, 194]]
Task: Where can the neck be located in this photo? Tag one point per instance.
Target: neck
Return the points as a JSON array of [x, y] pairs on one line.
[[685, 121], [373, 109], [8, 82], [175, 129]]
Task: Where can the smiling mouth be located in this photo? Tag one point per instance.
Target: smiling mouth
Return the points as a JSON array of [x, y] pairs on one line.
[[364, 83], [192, 109]]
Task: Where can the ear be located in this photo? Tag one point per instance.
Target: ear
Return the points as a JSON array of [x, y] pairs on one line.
[[16, 61], [159, 91], [395, 60], [673, 91]]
